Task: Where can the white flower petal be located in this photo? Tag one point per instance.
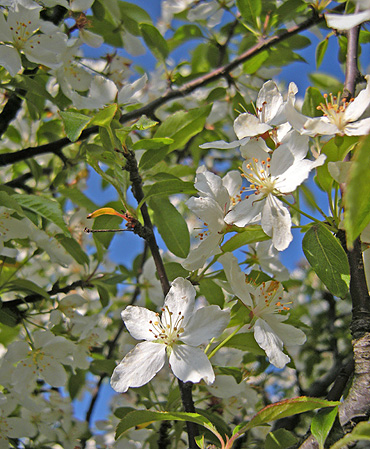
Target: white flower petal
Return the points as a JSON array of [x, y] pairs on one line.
[[127, 93], [137, 321], [359, 105], [180, 299], [344, 22], [226, 387], [10, 59], [236, 278], [270, 343], [209, 211], [191, 364], [247, 211], [208, 247], [232, 182], [276, 222], [248, 125], [290, 335], [211, 186], [53, 372], [206, 323], [139, 366], [269, 101], [360, 128], [220, 144]]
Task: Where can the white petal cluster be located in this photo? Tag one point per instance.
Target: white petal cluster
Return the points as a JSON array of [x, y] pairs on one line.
[[265, 302], [216, 197], [177, 333]]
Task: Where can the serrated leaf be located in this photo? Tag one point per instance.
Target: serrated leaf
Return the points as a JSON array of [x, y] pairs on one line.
[[167, 188], [328, 259], [154, 40], [139, 417], [322, 423], [171, 226], [105, 116], [9, 202], [357, 193], [285, 408], [74, 123], [250, 234], [320, 52], [46, 207]]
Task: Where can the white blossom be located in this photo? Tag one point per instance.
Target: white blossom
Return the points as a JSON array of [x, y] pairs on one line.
[[265, 303], [178, 333]]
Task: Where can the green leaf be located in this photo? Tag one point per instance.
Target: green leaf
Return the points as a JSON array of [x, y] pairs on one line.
[[74, 123], [76, 382], [171, 226], [26, 286], [139, 417], [255, 62], [285, 408], [46, 207], [360, 433], [312, 99], [326, 82], [73, 248], [250, 234], [357, 193], [174, 270], [335, 150], [182, 125], [212, 292], [167, 188], [105, 116], [328, 259], [152, 144], [150, 158], [8, 317], [249, 9], [106, 222], [280, 439], [320, 51], [322, 423], [9, 202], [154, 40], [185, 33], [245, 342]]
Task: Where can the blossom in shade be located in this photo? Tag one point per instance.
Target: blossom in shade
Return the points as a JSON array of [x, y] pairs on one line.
[[265, 302], [178, 332], [216, 197]]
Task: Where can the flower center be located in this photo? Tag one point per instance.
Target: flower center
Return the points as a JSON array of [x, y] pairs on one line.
[[259, 176], [168, 327], [335, 109], [269, 298], [21, 33]]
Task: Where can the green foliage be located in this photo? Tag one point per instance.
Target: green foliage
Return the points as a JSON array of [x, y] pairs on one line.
[[327, 257], [322, 423]]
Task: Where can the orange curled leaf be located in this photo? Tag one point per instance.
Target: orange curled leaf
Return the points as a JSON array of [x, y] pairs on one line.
[[105, 211]]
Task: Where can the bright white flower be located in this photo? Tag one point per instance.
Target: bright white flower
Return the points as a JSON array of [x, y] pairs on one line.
[[216, 197], [270, 113], [265, 302], [340, 117], [271, 178], [211, 11], [128, 92], [178, 333], [17, 35], [44, 360]]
